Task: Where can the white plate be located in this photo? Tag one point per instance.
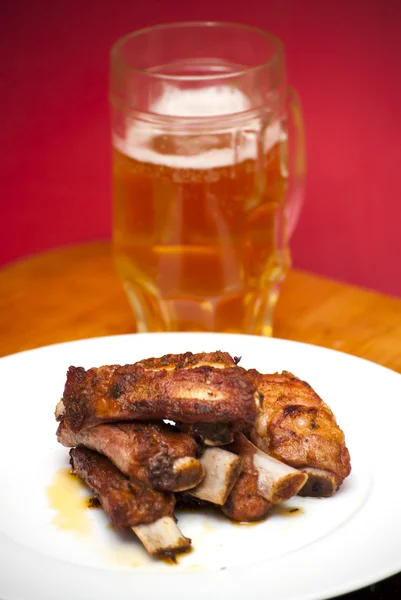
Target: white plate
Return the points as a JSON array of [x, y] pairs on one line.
[[332, 546]]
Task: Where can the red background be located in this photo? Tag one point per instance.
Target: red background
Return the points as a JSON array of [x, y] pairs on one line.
[[344, 57]]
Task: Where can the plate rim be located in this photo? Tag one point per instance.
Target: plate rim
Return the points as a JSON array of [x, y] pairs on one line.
[[338, 589], [267, 339]]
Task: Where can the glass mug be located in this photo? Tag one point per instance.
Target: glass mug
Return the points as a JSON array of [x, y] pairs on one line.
[[208, 166]]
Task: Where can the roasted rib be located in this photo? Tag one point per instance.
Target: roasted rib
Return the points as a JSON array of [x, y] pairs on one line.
[[131, 503], [298, 428], [154, 453], [133, 392], [263, 481], [210, 434], [188, 360]]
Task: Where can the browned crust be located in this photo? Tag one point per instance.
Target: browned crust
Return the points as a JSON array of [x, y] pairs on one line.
[[126, 502], [144, 451], [119, 393], [210, 434], [297, 427], [188, 360], [244, 502]]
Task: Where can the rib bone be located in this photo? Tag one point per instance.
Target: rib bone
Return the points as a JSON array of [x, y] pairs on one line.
[[222, 469], [188, 472], [320, 484], [162, 538]]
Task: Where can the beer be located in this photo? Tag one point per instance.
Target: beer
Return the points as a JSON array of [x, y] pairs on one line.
[[199, 232]]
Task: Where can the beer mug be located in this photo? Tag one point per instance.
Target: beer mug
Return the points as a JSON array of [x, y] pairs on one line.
[[208, 167]]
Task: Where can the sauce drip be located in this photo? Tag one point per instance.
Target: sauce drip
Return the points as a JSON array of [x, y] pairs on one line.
[[287, 511], [66, 498]]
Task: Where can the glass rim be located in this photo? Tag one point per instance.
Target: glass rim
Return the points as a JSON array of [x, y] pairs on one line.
[[278, 44]]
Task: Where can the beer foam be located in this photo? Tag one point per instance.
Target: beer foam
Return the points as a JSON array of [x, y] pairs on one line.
[[213, 101], [201, 151]]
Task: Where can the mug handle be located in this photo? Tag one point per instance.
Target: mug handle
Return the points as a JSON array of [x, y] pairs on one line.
[[296, 160]]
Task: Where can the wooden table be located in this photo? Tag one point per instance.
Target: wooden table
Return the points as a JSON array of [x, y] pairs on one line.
[[73, 293]]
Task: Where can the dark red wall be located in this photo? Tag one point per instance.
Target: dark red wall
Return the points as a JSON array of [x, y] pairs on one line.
[[343, 56]]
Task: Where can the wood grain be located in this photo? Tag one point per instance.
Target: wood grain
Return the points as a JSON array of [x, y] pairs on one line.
[[74, 293]]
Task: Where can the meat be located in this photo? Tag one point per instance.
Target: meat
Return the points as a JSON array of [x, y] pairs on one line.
[[210, 434], [131, 503], [133, 392], [133, 461], [127, 502], [153, 452], [188, 360], [245, 504], [298, 428], [276, 481], [263, 482]]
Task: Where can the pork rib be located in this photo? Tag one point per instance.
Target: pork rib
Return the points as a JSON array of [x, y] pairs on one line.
[[211, 434], [132, 392], [298, 428], [130, 503], [188, 360], [154, 453], [263, 482]]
